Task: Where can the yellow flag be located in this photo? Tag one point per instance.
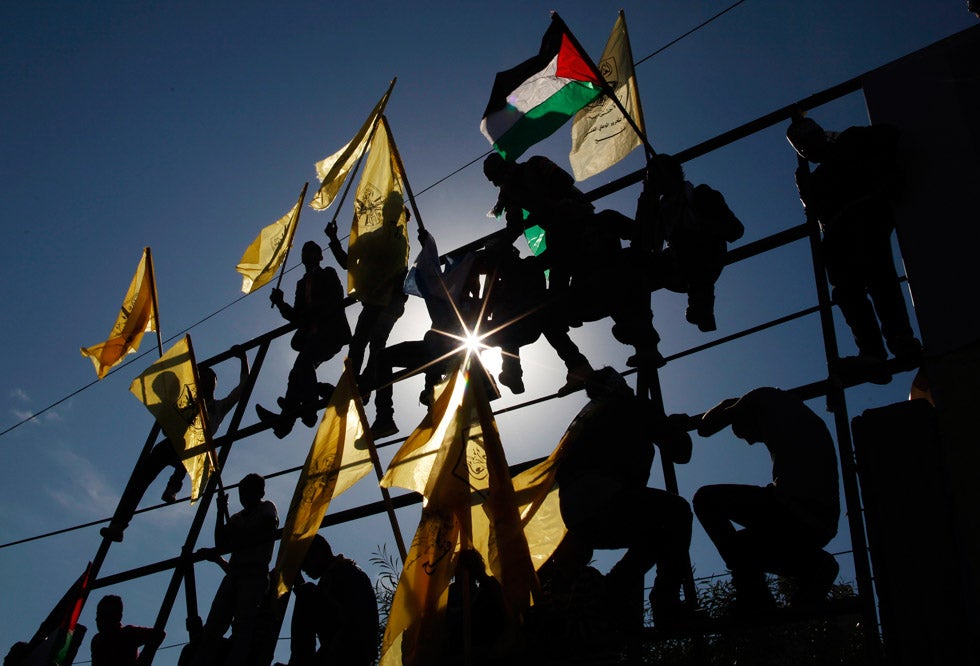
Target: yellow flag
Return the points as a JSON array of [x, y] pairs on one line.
[[378, 246], [269, 249], [538, 497], [456, 460], [601, 136], [332, 171], [339, 457], [137, 316], [168, 388]]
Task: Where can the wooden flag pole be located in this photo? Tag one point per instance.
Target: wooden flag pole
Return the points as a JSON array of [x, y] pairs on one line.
[[292, 234], [206, 423], [606, 88], [404, 176], [376, 461], [153, 296], [351, 176]]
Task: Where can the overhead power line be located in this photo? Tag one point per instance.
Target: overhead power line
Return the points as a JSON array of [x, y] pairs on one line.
[[60, 401], [689, 32]]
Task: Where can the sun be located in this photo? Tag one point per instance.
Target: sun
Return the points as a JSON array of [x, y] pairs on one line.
[[473, 344]]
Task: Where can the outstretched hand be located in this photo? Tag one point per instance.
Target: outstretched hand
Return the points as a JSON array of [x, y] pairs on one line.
[[331, 230], [717, 418], [276, 297]]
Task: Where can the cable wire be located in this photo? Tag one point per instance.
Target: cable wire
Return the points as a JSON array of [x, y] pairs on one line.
[[421, 192]]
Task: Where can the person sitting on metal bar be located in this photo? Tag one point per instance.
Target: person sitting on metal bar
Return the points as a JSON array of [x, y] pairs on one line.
[[117, 644], [452, 299], [318, 311], [697, 225], [340, 611], [604, 499], [517, 314], [785, 524], [582, 254], [849, 192], [163, 454], [249, 536]]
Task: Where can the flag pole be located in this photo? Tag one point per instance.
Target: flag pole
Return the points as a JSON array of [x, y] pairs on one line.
[[606, 88], [352, 175], [404, 176], [376, 461], [153, 296], [205, 422], [292, 234]]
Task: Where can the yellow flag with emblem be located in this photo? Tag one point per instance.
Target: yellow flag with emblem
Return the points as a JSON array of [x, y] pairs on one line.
[[168, 388], [269, 249], [601, 136], [333, 170], [339, 457], [456, 460], [137, 316], [378, 246]]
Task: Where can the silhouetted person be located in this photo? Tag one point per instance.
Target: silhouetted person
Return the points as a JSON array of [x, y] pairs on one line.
[[164, 454], [318, 311], [849, 193], [450, 296], [117, 644], [250, 536], [590, 275], [487, 608], [605, 502], [786, 524], [517, 314], [697, 225], [385, 303], [340, 611]]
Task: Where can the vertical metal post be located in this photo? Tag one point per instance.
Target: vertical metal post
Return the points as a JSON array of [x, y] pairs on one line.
[[146, 657], [837, 404]]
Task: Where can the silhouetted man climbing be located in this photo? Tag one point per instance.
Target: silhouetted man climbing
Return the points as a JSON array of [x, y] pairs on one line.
[[164, 454], [849, 193], [382, 305], [340, 611], [697, 225], [117, 644], [590, 275], [452, 300], [786, 524], [605, 502], [250, 536], [518, 312], [318, 311]]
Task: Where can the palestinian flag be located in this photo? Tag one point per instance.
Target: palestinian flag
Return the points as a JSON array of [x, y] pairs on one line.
[[532, 100]]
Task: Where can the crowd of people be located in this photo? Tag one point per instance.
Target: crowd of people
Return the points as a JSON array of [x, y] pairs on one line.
[[676, 240]]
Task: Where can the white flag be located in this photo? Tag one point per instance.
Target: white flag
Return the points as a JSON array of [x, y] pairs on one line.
[[601, 136]]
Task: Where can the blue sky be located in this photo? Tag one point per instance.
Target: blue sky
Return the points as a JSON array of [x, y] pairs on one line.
[[189, 126]]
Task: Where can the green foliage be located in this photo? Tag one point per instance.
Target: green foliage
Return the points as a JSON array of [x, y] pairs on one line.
[[389, 567], [815, 642]]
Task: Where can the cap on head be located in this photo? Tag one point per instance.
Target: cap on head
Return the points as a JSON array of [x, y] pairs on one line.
[[320, 546], [804, 134]]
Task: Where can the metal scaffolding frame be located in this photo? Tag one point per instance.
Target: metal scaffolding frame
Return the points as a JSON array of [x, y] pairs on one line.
[[647, 382]]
